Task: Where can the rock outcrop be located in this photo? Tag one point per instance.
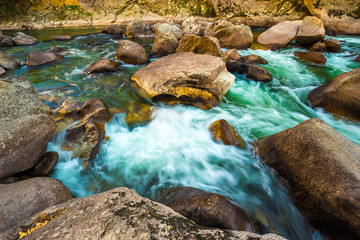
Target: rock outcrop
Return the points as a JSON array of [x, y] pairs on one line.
[[200, 80], [101, 66], [25, 126], [322, 168], [200, 45], [131, 53], [222, 131], [339, 96]]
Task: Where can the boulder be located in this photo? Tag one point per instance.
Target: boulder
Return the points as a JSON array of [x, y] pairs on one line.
[[279, 35], [7, 62], [207, 209], [101, 66], [139, 114], [45, 165], [2, 71], [57, 50], [41, 58], [311, 30], [193, 29], [25, 126], [169, 28], [254, 59], [232, 55], [200, 45], [222, 131], [322, 168], [213, 27], [333, 45], [320, 46], [6, 41], [331, 31], [236, 36], [131, 53], [188, 22], [22, 39], [62, 38], [137, 28], [252, 72], [164, 44], [340, 95], [20, 200], [200, 80], [115, 30], [119, 212], [314, 57]]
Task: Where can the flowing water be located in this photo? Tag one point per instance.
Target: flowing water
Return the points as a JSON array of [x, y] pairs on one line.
[[176, 148]]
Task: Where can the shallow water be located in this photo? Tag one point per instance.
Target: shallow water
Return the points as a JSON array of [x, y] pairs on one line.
[[176, 148]]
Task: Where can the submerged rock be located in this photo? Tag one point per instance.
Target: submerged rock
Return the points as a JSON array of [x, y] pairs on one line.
[[6, 41], [253, 72], [314, 57], [20, 200], [101, 66], [200, 45], [279, 35], [200, 80], [25, 126], [232, 55], [23, 39], [322, 168], [62, 38], [333, 45], [207, 209], [340, 95], [131, 53], [310, 31], [254, 59], [222, 131], [139, 114], [41, 58], [357, 59], [164, 44], [7, 62], [58, 50]]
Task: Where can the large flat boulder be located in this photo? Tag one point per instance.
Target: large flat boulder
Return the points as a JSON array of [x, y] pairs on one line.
[[23, 39], [279, 35], [20, 200], [131, 52], [311, 30], [120, 213], [323, 170], [339, 96], [25, 126], [200, 45], [194, 79]]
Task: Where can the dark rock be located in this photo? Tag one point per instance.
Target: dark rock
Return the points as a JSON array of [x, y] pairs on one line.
[[41, 58], [331, 31], [357, 59], [25, 126], [20, 200], [322, 168], [62, 38], [333, 45], [314, 57], [200, 45], [115, 30], [45, 165], [340, 95], [57, 50], [254, 59], [222, 131], [258, 74], [237, 67], [164, 44], [207, 209], [7, 62], [320, 46], [22, 39], [6, 41], [232, 55], [120, 212], [310, 31], [101, 66], [131, 52], [94, 44]]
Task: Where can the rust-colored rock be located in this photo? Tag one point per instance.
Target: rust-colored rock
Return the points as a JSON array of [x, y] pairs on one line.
[[232, 55], [320, 46], [200, 45], [222, 131], [131, 52], [333, 45], [314, 57], [101, 66], [41, 58], [164, 44], [310, 31], [254, 59], [139, 114]]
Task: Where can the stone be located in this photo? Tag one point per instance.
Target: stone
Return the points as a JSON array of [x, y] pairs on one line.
[[131, 53], [45, 165], [207, 209], [333, 45], [21, 39], [102, 66], [164, 44], [216, 26], [200, 80], [2, 71], [320, 46], [115, 30], [62, 38], [137, 28], [116, 212], [193, 29], [169, 28], [252, 72], [339, 96], [6, 41], [232, 55], [279, 35], [254, 59], [7, 62], [139, 114], [38, 58], [188, 22], [25, 126], [200, 45], [222, 131], [310, 31], [236, 36], [20, 200], [57, 50], [322, 168], [357, 59], [331, 31], [314, 57]]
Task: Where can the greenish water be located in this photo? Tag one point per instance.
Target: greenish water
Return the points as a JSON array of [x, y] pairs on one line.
[[176, 148]]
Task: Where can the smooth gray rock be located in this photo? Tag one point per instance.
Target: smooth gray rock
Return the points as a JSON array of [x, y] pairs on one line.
[[23, 39]]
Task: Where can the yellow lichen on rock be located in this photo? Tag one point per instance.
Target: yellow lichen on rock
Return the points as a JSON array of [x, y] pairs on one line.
[[54, 3]]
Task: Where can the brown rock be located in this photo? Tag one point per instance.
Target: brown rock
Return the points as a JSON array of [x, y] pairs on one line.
[[340, 95], [310, 31], [236, 36], [101, 66], [331, 31], [279, 35], [314, 57], [131, 53], [200, 45], [222, 131], [188, 22], [320, 46], [7, 62], [22, 39], [139, 114], [169, 28], [57, 50], [62, 38], [41, 58], [137, 28], [254, 59], [45, 165], [207, 209], [357, 59], [232, 55], [193, 29], [258, 74], [333, 45], [6, 41], [213, 27], [322, 169], [164, 44], [20, 200], [200, 80], [115, 30]]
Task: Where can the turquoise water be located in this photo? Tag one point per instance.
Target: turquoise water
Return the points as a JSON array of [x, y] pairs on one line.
[[176, 148]]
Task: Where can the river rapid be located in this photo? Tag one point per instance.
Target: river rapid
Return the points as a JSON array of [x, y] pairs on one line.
[[176, 148]]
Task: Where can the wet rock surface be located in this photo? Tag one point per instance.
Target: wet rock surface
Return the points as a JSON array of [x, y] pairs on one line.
[[7, 62], [102, 66], [38, 58], [131, 52], [314, 57], [222, 131]]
